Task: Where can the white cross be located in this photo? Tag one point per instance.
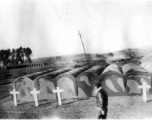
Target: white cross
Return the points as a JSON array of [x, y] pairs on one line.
[[144, 87], [14, 92], [58, 94], [34, 92]]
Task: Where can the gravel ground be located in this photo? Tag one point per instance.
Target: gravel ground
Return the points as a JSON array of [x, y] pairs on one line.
[[123, 107]]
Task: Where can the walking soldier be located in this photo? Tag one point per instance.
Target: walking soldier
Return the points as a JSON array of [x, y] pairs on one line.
[[102, 101]]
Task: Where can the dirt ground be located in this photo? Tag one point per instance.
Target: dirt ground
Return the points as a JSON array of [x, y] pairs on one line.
[[123, 107]]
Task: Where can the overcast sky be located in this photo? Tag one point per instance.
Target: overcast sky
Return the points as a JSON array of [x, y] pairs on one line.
[[50, 27]]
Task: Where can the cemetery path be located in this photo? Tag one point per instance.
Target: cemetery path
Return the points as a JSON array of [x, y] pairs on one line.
[[130, 107], [123, 107]]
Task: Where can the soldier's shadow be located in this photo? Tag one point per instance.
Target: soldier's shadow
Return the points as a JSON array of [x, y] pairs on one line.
[[28, 114], [149, 101], [3, 113]]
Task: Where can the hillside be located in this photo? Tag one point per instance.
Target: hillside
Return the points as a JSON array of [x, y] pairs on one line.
[[116, 55]]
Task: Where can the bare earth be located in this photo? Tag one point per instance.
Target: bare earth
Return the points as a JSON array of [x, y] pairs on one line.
[[123, 107]]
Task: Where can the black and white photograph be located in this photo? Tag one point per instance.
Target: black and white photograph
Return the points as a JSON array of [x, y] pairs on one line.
[[75, 59]]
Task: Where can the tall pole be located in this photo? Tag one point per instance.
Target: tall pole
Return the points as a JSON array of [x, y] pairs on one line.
[[83, 47]]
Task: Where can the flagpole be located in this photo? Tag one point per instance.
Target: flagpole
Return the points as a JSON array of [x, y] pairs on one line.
[[83, 47]]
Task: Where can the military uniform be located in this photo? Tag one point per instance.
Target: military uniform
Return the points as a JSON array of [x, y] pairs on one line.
[[102, 103]]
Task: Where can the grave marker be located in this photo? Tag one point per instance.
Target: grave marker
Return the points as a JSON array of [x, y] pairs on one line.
[[144, 87], [34, 92], [14, 92], [58, 94], [24, 85]]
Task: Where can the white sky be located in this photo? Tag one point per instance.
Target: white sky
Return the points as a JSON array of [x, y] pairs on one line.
[[50, 27]]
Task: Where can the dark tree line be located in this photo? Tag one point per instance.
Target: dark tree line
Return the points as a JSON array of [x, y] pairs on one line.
[[15, 56]]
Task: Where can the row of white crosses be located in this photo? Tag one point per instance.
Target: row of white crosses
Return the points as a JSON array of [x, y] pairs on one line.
[[34, 92], [58, 91]]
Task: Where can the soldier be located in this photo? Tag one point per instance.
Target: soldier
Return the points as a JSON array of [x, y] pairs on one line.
[[102, 101]]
